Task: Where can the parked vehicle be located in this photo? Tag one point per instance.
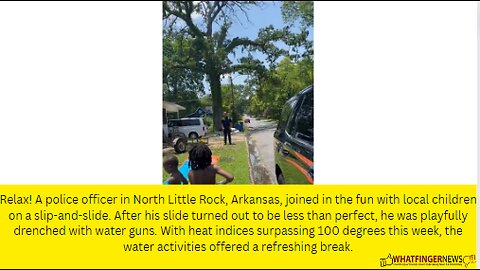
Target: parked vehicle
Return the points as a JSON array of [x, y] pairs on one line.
[[191, 127], [293, 144]]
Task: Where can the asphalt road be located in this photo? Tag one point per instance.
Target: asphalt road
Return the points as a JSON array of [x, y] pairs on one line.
[[261, 139]]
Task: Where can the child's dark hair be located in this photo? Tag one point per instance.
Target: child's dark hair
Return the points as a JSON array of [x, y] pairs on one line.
[[200, 157], [171, 160]]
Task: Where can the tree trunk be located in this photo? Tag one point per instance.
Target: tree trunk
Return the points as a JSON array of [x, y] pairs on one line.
[[216, 89]]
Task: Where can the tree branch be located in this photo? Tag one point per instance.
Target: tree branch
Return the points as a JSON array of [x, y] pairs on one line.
[[240, 42], [186, 17], [222, 35], [186, 66], [219, 7]]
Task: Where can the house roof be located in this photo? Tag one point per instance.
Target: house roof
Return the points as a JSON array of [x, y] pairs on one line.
[[172, 107]]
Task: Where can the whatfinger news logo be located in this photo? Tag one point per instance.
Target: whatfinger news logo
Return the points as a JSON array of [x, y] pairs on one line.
[[428, 260]]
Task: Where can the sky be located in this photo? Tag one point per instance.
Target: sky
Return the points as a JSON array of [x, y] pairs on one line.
[[269, 13], [259, 17]]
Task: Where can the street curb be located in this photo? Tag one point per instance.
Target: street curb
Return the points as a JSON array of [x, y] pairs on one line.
[[247, 135], [257, 170]]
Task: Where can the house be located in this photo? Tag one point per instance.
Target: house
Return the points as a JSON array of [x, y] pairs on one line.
[[169, 107]]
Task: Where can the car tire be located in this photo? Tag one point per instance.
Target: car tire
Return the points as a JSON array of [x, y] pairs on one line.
[[193, 135], [280, 179], [180, 145]]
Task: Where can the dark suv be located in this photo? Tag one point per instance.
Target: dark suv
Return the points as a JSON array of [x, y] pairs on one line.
[[294, 140]]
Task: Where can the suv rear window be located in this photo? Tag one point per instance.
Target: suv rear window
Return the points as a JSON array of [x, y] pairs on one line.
[[302, 126], [287, 110], [173, 123], [190, 122]]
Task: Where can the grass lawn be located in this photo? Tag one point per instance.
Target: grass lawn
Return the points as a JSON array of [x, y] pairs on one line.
[[233, 159]]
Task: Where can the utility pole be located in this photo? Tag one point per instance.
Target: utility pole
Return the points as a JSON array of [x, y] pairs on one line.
[[233, 100]]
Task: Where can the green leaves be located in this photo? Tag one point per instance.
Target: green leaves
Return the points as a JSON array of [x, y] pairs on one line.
[[298, 10], [182, 75], [194, 50], [279, 84]]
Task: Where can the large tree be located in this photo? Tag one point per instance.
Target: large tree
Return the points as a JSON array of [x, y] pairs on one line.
[[207, 46]]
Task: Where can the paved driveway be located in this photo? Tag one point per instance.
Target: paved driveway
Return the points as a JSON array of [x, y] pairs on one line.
[[261, 147]]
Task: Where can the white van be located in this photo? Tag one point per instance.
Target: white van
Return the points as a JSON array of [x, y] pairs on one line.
[[192, 127]]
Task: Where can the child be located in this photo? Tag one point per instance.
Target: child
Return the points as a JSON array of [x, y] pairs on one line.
[[203, 172], [170, 164]]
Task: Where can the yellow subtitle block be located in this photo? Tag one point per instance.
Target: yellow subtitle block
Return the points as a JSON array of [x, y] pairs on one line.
[[332, 226]]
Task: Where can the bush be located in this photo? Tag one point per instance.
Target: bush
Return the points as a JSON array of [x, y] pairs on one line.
[[208, 120]]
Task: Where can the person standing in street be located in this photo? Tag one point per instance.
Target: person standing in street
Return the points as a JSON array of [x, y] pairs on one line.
[[227, 128]]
